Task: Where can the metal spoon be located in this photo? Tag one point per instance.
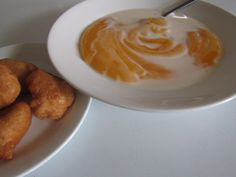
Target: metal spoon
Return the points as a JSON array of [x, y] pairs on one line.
[[176, 7]]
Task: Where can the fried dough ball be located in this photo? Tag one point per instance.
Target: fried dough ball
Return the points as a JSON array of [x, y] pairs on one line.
[[9, 86], [14, 124], [20, 68], [51, 96]]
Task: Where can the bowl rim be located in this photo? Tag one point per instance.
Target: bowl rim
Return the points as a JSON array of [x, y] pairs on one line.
[[214, 103]]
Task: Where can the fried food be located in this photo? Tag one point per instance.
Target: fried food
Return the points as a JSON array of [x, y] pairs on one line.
[[14, 124], [51, 96], [20, 68], [9, 86]]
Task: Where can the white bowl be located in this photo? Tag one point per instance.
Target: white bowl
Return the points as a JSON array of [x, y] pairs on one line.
[[218, 88]]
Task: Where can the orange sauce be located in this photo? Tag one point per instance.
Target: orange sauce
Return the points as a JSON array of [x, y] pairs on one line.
[[205, 47], [118, 51]]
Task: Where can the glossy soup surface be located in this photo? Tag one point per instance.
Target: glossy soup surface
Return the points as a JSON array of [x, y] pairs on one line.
[[140, 47]]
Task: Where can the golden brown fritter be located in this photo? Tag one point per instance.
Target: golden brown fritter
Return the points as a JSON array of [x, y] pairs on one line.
[[14, 124], [20, 68], [51, 96], [9, 86]]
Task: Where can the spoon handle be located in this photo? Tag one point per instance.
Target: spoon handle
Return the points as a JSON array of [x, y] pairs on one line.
[[176, 7]]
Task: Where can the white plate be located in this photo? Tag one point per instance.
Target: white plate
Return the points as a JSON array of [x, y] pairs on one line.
[[63, 50], [45, 138]]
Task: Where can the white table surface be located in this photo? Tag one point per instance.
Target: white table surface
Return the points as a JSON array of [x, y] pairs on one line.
[[115, 142]]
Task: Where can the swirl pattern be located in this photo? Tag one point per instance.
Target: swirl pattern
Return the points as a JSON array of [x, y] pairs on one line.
[[118, 50]]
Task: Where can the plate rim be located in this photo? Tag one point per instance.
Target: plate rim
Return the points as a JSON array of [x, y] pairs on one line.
[[60, 147]]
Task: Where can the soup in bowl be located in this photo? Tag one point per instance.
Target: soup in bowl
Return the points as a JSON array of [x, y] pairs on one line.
[[126, 54]]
